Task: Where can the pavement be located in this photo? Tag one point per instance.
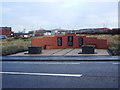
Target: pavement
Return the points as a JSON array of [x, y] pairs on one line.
[[60, 58], [64, 52], [57, 74]]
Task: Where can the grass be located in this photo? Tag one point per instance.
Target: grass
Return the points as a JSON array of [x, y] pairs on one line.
[[11, 45]]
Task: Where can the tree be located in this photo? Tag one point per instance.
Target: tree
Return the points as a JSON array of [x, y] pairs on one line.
[[40, 31], [31, 32]]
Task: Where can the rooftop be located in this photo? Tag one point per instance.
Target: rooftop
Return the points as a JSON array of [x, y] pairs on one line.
[[5, 28]]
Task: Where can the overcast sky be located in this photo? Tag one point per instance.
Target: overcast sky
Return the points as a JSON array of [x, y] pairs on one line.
[[64, 15]]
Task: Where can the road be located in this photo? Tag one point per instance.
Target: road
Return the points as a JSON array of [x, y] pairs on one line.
[[41, 74]]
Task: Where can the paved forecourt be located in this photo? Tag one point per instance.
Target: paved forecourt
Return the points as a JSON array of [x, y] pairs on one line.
[[63, 52]]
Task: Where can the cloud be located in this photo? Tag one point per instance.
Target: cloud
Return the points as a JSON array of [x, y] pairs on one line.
[[60, 0], [68, 15]]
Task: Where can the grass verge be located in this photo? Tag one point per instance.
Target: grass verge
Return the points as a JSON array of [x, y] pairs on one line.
[[11, 45]]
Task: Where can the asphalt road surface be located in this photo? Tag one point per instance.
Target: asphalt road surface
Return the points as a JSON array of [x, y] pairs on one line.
[[53, 74]]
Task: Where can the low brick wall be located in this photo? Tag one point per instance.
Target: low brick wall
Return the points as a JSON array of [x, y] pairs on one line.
[[52, 42]]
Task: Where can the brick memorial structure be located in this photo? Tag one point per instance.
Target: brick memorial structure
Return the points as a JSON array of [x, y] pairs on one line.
[[68, 41]]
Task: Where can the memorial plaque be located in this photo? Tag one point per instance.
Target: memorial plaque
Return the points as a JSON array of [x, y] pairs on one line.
[[59, 41], [70, 40], [80, 41]]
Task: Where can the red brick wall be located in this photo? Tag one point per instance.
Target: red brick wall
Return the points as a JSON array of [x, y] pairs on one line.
[[51, 42], [5, 32]]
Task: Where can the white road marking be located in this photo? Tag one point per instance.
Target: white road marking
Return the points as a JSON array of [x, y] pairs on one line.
[[60, 62], [44, 74]]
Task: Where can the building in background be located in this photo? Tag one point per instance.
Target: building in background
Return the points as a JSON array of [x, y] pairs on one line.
[[48, 32], [7, 31], [115, 31], [59, 31], [94, 31], [21, 35]]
